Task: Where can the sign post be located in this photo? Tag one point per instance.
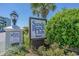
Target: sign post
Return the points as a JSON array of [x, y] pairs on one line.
[[37, 31]]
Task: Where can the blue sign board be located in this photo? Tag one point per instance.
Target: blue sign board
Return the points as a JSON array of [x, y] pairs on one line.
[[37, 28], [14, 37]]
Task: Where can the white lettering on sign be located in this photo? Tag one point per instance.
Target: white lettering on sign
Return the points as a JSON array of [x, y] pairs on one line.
[[37, 28], [14, 37]]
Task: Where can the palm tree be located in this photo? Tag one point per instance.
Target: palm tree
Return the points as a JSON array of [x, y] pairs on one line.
[[42, 9]]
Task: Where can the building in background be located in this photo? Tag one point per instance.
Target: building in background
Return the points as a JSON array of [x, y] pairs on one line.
[[4, 22]]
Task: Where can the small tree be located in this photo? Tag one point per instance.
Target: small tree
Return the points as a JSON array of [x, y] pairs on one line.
[[25, 30]]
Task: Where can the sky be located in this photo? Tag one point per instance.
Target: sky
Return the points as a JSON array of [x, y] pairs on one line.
[[24, 11]]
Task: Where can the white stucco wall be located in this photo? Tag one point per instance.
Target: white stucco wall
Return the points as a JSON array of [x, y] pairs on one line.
[[2, 42]]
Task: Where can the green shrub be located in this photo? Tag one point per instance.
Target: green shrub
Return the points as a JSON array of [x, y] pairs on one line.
[[54, 50], [54, 46], [16, 51], [71, 54], [26, 41], [41, 50], [26, 37], [63, 28]]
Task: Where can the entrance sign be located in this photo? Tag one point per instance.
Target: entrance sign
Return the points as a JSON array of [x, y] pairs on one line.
[[11, 36], [14, 37], [37, 28]]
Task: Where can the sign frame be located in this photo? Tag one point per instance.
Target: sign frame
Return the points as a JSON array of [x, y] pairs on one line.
[[30, 27]]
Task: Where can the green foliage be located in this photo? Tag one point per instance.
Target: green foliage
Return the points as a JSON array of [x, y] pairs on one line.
[[26, 37], [41, 50], [26, 41], [54, 50], [25, 30], [16, 51], [71, 54], [63, 28]]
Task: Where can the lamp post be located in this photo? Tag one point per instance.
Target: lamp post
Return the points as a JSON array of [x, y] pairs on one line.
[[14, 17]]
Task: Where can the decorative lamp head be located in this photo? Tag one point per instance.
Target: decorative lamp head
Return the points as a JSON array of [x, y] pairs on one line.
[[14, 17]]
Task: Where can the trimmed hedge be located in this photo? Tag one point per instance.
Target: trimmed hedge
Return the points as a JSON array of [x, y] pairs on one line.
[[63, 28]]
